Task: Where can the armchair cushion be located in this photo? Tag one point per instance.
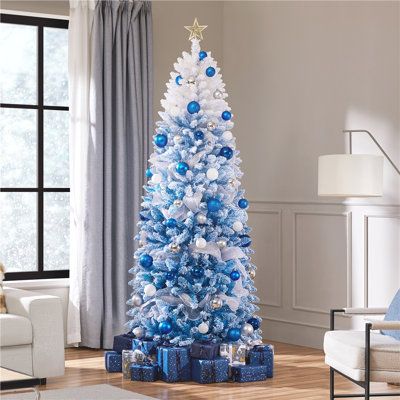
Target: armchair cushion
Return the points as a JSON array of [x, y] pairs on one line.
[[393, 314], [15, 330]]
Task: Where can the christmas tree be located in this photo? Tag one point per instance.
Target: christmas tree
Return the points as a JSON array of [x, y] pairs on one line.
[[193, 273]]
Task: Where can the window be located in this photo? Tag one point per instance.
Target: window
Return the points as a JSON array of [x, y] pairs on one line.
[[34, 166]]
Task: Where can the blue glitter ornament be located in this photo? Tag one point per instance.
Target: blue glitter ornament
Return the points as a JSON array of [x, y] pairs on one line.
[[149, 174], [182, 168], [169, 276], [193, 107], [214, 204], [199, 135], [146, 260], [160, 140], [226, 115], [226, 152], [178, 80], [210, 72], [197, 272], [233, 334], [254, 322], [202, 55], [246, 241], [171, 223], [235, 275], [243, 203], [164, 327]]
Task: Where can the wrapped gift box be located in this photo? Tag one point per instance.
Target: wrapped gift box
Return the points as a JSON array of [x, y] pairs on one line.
[[148, 347], [127, 361], [210, 371], [123, 342], [262, 355], [143, 372], [249, 373], [204, 350], [113, 361], [234, 352], [174, 363]]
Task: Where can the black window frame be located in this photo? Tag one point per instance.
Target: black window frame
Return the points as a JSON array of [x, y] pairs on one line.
[[41, 23]]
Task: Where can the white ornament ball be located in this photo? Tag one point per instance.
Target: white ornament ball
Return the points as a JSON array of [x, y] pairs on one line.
[[227, 135], [212, 174], [252, 273], [175, 248], [177, 139], [203, 328], [201, 219], [216, 303], [221, 243], [138, 332], [218, 94], [201, 243], [156, 178], [178, 203], [247, 330], [150, 290], [237, 226], [137, 300]]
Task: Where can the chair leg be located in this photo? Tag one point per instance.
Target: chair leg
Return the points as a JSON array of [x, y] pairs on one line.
[[331, 383], [367, 360]]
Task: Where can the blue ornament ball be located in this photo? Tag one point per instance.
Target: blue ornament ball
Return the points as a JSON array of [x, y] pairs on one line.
[[226, 152], [235, 275], [197, 272], [210, 72], [164, 327], [169, 276], [178, 80], [214, 204], [202, 55], [245, 240], [182, 168], [193, 107], [146, 260], [149, 174], [243, 203], [254, 322], [160, 140], [226, 115], [199, 135], [171, 223], [233, 334]]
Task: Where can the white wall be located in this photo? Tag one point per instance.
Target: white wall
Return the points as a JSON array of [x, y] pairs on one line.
[[297, 74]]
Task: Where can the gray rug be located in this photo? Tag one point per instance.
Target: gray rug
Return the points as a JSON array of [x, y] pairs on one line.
[[95, 392]]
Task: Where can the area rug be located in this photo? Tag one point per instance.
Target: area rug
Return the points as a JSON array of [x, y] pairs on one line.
[[95, 392]]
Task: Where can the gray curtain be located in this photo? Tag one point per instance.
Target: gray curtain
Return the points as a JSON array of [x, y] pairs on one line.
[[120, 119]]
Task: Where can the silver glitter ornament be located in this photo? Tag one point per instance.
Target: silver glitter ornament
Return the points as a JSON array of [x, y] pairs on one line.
[[201, 219], [216, 303], [177, 139], [137, 300], [138, 332], [252, 274], [211, 126], [191, 81], [221, 243], [178, 203], [247, 330], [175, 248], [218, 94]]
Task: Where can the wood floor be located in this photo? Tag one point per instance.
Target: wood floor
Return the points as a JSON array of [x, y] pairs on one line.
[[300, 373]]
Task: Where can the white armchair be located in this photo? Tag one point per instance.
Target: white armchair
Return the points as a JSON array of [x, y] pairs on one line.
[[363, 356], [32, 334]]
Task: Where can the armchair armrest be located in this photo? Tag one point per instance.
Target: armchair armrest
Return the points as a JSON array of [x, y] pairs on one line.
[[365, 311], [45, 315], [384, 325]]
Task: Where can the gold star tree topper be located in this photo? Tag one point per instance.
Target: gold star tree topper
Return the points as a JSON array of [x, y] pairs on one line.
[[195, 30]]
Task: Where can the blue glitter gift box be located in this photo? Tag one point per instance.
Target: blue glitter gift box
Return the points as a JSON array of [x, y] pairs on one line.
[[113, 361], [145, 373], [249, 373], [210, 371], [148, 347], [123, 342], [174, 363], [204, 350], [262, 355]]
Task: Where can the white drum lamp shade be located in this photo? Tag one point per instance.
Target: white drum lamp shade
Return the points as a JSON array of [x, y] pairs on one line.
[[350, 175]]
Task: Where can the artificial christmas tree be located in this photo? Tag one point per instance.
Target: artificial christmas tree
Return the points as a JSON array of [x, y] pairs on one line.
[[193, 274]]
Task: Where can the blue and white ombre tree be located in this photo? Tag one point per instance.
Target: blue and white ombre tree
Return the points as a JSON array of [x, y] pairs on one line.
[[193, 274]]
